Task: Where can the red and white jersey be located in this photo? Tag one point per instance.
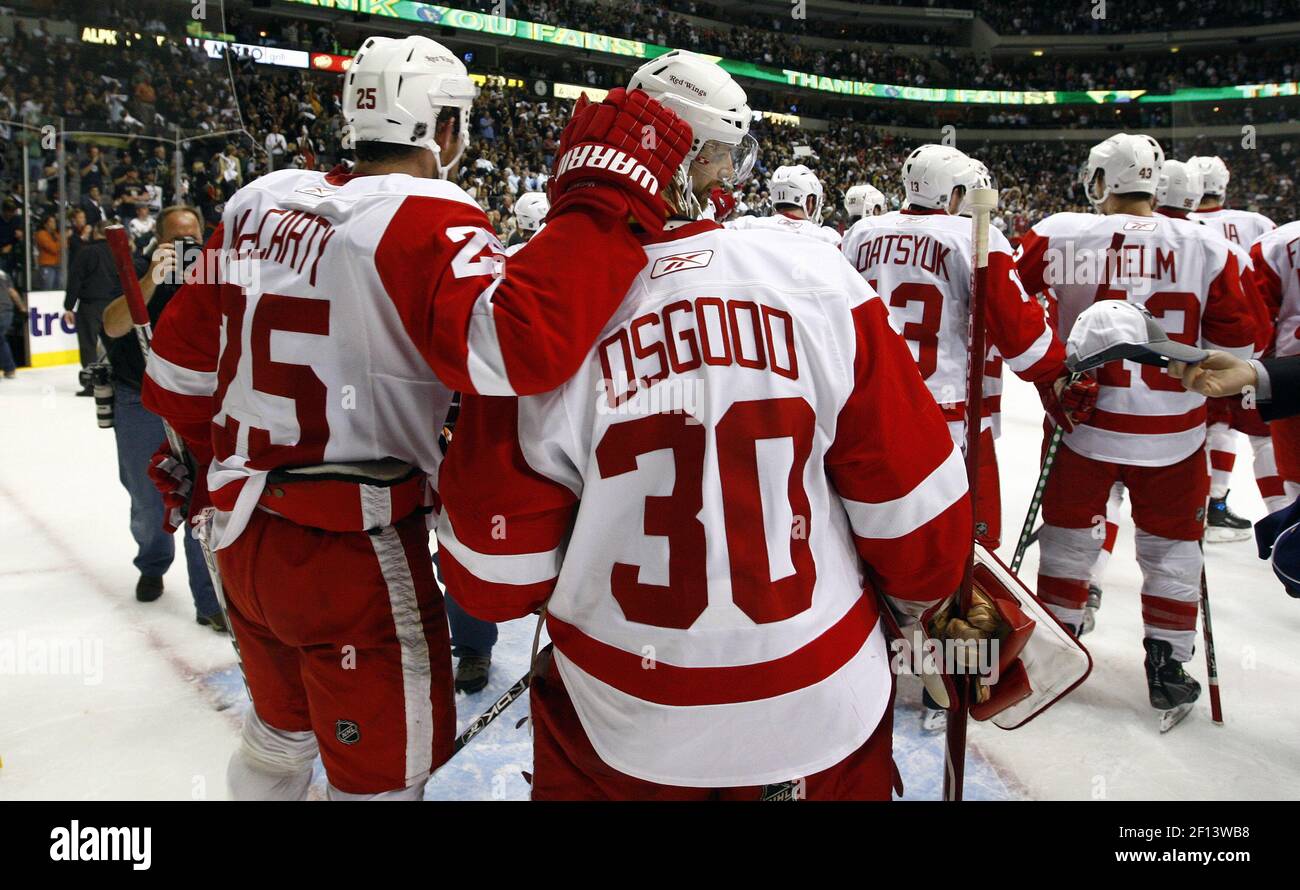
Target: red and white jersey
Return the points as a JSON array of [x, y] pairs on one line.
[[1242, 227], [1277, 275], [1188, 279], [920, 263], [348, 310], [709, 508], [782, 223]]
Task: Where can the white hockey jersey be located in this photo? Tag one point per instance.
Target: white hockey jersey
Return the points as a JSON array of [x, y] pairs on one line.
[[707, 508], [782, 223], [1242, 227], [1189, 280], [1277, 275], [337, 312], [921, 265]]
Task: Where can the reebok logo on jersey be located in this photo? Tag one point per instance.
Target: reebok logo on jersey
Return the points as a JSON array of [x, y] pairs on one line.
[[600, 157], [666, 265], [316, 191], [1135, 226]]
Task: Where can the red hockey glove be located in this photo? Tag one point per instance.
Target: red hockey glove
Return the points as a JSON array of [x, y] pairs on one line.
[[628, 142], [1069, 402], [180, 497], [723, 202]]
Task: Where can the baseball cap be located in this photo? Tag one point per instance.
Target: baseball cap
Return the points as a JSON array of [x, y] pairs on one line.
[[1110, 330]]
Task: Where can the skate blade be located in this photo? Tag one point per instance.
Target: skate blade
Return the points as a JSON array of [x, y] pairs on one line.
[[1216, 535], [1089, 621], [1171, 718], [933, 721]]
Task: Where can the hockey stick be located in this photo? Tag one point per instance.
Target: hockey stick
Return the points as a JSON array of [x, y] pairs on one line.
[[1207, 633], [982, 202], [481, 722], [119, 244], [1036, 502]]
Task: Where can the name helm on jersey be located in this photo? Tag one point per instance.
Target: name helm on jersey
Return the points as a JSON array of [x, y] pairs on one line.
[[397, 91], [930, 174], [1180, 186], [716, 107], [1128, 163], [863, 200]]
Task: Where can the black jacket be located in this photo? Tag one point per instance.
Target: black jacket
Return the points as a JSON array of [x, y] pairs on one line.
[[124, 353], [1284, 381], [92, 277]]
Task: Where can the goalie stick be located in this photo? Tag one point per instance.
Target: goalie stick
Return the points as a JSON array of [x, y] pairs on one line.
[[119, 244], [982, 202]]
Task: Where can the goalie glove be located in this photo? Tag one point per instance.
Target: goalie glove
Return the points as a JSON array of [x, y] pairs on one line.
[[1028, 662], [617, 155], [1069, 402]]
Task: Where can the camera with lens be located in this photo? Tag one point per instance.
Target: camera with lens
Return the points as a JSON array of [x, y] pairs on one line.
[[99, 378], [188, 252]]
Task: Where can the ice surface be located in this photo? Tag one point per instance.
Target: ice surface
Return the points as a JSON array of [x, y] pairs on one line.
[[146, 704]]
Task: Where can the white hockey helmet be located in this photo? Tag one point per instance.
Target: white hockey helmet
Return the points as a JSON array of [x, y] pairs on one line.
[[706, 97], [397, 89], [975, 175], [1214, 174], [1128, 162], [794, 185], [531, 210], [930, 174], [1179, 186], [863, 200]]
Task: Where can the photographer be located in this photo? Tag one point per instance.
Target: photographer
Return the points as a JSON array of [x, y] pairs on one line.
[[139, 432]]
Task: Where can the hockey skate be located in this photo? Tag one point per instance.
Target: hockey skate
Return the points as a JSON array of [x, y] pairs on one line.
[[1090, 609], [1172, 690], [1222, 525]]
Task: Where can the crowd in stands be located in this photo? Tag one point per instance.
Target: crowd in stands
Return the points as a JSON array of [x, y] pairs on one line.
[[126, 106], [1113, 17]]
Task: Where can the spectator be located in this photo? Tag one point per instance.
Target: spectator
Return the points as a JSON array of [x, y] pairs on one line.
[[139, 433], [94, 207], [49, 254]]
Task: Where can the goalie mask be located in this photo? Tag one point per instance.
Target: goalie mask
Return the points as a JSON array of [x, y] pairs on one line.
[[795, 185], [1126, 163], [722, 151], [400, 91]]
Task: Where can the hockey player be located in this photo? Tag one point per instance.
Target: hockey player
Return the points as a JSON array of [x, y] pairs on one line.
[[1241, 227], [1147, 431], [919, 261], [707, 511], [311, 377], [1179, 189], [530, 216], [1276, 257], [863, 200], [797, 197], [1228, 417]]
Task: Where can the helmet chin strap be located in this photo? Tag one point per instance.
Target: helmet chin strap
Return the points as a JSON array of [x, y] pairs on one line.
[[444, 170]]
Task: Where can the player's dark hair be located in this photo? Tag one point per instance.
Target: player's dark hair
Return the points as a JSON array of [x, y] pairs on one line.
[[790, 204], [384, 152]]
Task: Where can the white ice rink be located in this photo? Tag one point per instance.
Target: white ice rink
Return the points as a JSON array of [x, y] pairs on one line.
[[151, 708]]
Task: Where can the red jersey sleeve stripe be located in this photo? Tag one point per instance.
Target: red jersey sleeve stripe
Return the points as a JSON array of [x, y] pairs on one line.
[[903, 515], [490, 601], [499, 568]]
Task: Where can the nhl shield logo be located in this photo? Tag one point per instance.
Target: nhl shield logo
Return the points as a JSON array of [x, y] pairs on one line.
[[347, 732]]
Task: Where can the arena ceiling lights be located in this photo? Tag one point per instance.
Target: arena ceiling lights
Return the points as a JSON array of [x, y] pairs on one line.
[[428, 13]]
